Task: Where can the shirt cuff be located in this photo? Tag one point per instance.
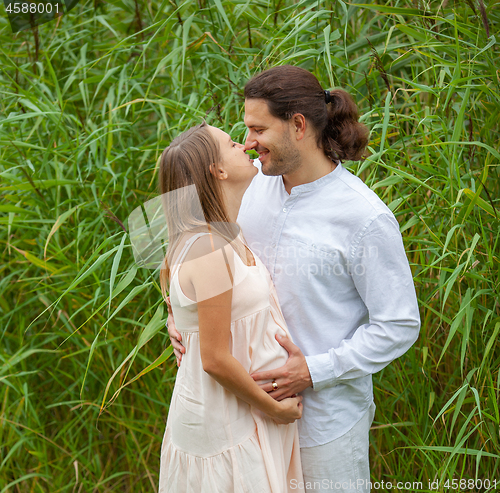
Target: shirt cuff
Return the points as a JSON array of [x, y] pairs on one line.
[[321, 371]]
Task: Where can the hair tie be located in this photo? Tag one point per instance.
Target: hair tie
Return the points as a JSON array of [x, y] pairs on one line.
[[328, 97]]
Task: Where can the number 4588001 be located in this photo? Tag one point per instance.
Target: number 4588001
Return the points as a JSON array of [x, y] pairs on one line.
[[470, 484], [32, 8]]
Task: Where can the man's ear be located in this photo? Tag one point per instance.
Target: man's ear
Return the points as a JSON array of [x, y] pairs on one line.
[[299, 125], [218, 171]]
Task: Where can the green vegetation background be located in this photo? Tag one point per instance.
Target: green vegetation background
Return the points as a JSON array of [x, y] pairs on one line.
[[89, 101]]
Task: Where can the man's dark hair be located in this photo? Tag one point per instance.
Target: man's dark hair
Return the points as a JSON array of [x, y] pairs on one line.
[[289, 90]]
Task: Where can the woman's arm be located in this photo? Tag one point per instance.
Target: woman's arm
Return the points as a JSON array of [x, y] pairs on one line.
[[211, 281], [215, 323]]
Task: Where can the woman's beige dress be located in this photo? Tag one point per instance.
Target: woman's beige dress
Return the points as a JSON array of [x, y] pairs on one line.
[[215, 442]]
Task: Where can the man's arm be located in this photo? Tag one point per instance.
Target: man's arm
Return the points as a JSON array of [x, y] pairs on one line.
[[383, 279]]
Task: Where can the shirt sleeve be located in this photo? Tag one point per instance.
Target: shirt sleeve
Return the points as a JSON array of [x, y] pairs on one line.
[[382, 276]]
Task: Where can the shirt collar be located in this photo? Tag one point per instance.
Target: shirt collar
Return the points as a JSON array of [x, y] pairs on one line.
[[316, 184]]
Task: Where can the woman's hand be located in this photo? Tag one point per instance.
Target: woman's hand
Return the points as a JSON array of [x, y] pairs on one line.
[[288, 410]]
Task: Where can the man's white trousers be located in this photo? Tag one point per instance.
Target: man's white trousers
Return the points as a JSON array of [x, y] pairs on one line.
[[340, 465]]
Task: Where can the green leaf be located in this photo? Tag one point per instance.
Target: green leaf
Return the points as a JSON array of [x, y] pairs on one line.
[[43, 184], [59, 222], [13, 208], [114, 268]]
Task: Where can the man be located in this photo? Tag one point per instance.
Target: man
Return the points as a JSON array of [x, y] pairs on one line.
[[336, 256]]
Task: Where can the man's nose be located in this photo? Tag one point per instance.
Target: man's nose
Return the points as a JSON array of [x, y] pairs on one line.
[[250, 143]]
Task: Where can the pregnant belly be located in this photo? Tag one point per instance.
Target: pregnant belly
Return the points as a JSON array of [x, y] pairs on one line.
[[254, 342]]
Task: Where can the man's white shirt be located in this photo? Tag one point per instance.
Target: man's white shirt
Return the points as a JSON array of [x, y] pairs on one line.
[[336, 256]]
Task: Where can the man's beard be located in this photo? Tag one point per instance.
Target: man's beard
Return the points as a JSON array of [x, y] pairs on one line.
[[284, 158]]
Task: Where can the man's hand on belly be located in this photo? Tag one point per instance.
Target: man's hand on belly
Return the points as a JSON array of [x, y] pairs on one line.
[[291, 378]]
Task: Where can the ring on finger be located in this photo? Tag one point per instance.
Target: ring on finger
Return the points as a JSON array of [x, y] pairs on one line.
[[275, 385]]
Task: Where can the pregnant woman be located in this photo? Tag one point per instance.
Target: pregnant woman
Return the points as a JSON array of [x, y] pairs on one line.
[[224, 433]]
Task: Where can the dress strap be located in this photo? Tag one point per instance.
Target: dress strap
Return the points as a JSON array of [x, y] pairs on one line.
[[185, 250]]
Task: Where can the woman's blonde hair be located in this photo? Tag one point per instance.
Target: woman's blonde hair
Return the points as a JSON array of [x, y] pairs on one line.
[[186, 161]]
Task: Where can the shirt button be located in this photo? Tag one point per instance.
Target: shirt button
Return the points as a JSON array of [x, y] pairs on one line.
[[284, 209]]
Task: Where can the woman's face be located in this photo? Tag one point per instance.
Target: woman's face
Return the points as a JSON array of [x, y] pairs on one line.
[[236, 163]]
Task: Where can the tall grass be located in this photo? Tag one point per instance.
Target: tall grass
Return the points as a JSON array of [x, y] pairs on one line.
[[88, 104]]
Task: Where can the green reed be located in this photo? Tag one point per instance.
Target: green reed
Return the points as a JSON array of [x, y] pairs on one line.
[[89, 103]]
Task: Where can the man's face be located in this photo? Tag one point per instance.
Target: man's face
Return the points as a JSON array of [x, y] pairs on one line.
[[271, 138]]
